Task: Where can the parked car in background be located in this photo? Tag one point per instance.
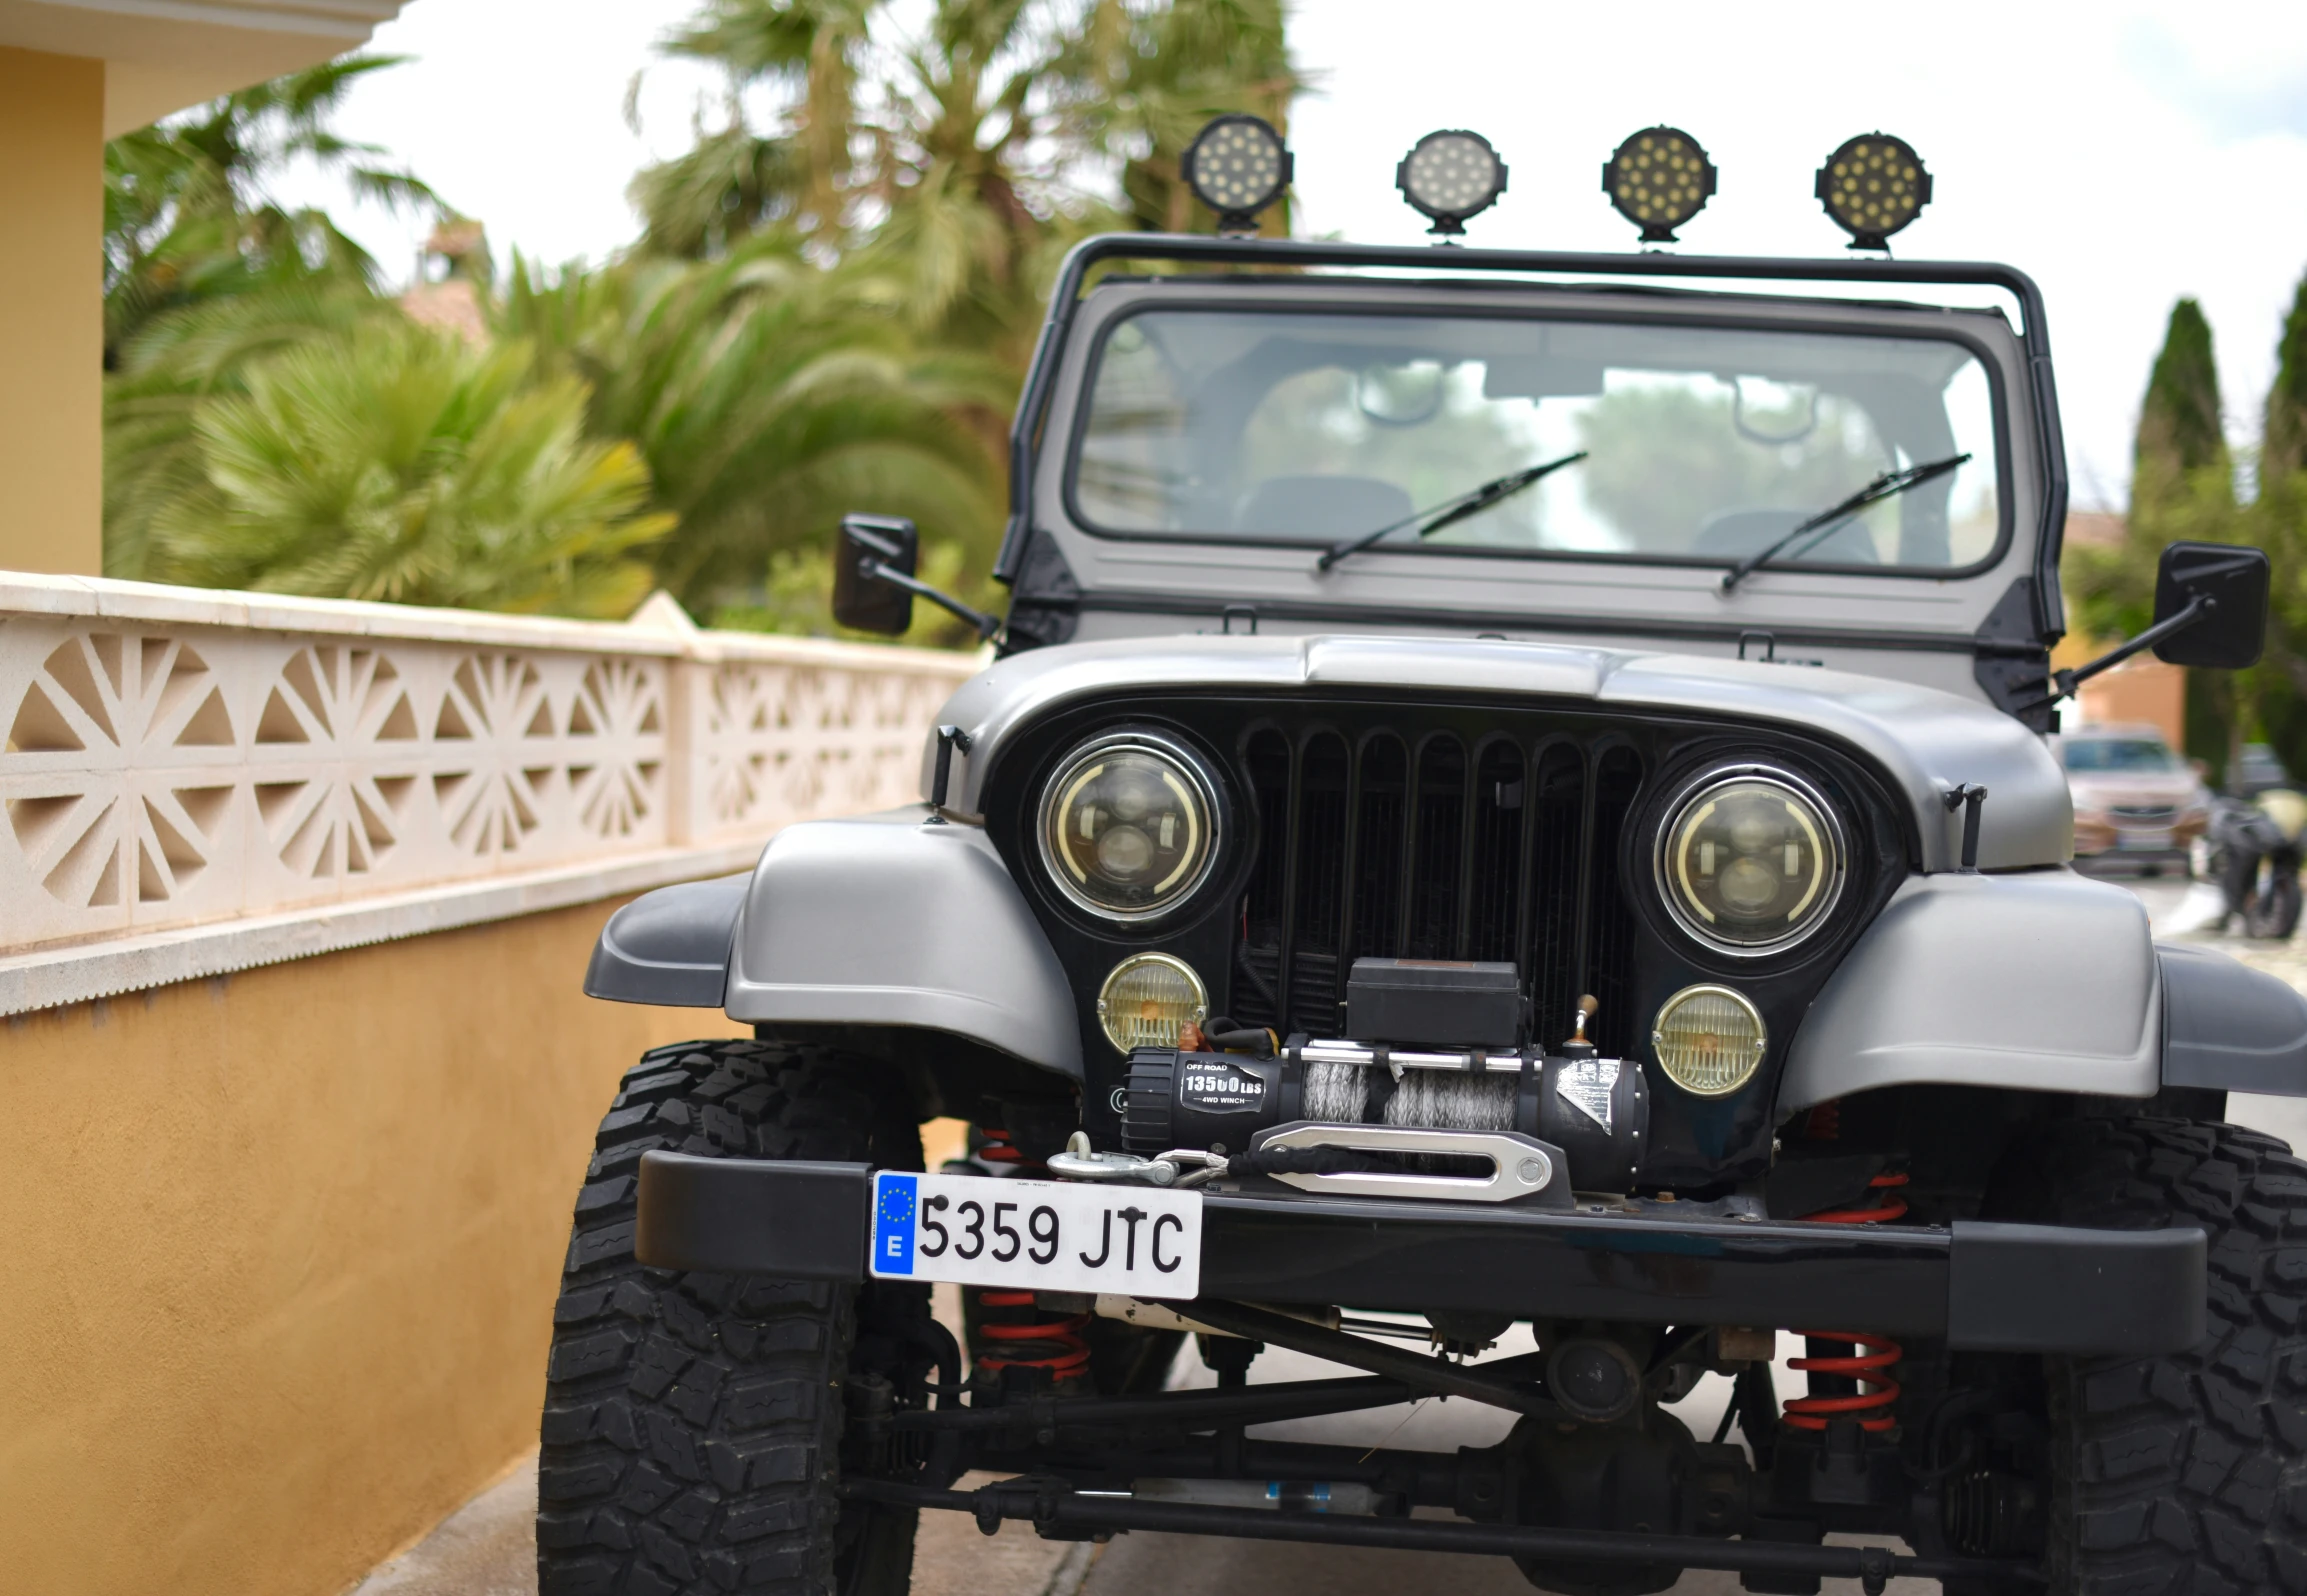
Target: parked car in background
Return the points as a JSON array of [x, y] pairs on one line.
[[2257, 770], [2137, 804]]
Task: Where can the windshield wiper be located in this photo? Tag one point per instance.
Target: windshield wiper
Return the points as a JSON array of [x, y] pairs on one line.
[[1889, 485], [1450, 511]]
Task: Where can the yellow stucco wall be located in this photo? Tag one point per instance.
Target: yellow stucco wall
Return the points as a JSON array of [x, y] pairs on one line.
[[281, 1250], [51, 313]]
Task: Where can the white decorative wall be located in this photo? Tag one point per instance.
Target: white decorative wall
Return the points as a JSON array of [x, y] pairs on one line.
[[178, 759]]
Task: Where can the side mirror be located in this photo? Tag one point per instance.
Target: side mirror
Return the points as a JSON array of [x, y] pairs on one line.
[[873, 582], [870, 545], [2226, 587], [2210, 613]]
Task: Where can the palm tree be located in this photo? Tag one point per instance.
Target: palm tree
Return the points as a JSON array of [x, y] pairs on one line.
[[767, 397], [180, 361], [188, 215], [206, 273], [828, 314], [391, 461], [957, 165], [866, 275]]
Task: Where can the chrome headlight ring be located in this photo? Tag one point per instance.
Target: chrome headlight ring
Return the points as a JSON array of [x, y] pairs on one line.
[[1750, 860], [1129, 826]]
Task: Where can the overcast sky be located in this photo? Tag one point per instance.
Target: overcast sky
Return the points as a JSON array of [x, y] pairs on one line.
[[2123, 153]]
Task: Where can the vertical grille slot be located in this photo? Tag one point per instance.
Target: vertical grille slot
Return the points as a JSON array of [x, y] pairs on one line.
[[1258, 955], [1383, 805], [1557, 823], [1609, 919], [1437, 850], [1318, 920], [1501, 803]]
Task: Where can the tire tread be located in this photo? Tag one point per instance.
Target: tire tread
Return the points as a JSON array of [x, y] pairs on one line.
[[2184, 1475], [692, 1421]]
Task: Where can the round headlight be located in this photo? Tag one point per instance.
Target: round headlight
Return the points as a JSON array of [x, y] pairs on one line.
[[1709, 1040], [1148, 999], [1750, 860], [1129, 826]]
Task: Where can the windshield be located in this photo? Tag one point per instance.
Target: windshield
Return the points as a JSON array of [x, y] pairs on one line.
[[1703, 443], [2126, 754]]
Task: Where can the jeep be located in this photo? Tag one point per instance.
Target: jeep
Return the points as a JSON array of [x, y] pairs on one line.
[[1511, 799]]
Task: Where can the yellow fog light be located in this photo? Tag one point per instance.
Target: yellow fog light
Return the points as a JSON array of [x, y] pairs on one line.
[[1709, 1040], [1149, 999]]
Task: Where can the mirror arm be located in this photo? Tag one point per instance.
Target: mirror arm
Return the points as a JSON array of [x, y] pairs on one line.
[[877, 571], [2064, 683]]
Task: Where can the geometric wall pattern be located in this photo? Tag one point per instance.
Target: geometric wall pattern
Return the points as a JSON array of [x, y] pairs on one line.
[[160, 773]]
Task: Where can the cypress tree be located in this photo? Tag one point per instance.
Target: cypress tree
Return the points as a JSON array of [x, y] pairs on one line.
[[2278, 524], [2179, 428], [2283, 440], [2178, 461]]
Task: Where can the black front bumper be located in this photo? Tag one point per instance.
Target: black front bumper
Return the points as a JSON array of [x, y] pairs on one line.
[[1981, 1286]]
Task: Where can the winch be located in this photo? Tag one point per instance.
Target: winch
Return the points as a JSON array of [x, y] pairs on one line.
[[1227, 1083]]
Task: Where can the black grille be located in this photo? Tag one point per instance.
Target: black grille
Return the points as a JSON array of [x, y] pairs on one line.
[[1396, 844]]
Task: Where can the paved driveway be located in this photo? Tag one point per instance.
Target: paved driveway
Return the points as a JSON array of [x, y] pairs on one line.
[[486, 1549]]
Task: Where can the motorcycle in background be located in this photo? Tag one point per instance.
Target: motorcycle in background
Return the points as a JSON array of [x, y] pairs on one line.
[[2254, 848]]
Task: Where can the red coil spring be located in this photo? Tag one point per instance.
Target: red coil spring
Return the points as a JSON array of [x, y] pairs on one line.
[[1881, 1393], [1011, 1334], [1053, 1344]]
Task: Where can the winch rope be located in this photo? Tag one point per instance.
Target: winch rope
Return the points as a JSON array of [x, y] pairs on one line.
[[1335, 1094], [1451, 1100]]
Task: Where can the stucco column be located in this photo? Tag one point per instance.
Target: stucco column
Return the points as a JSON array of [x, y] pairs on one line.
[[51, 313]]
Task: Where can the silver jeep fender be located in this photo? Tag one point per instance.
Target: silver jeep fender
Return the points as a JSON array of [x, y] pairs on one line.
[[877, 920], [2041, 980], [884, 920]]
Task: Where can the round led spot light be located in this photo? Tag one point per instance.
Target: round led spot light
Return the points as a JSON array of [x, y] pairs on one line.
[[1750, 860], [1237, 166], [1129, 826], [1450, 176], [1659, 179], [1148, 1000], [1873, 186], [1709, 1040]]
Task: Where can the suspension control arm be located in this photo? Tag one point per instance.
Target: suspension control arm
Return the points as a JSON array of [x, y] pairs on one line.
[[1056, 1510], [1437, 1375]]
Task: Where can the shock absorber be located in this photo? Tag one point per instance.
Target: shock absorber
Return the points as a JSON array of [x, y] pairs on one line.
[[1871, 1393], [993, 1147], [1007, 1331], [1011, 1333]]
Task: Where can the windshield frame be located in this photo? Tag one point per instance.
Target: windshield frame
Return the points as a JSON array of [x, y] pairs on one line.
[[1233, 296]]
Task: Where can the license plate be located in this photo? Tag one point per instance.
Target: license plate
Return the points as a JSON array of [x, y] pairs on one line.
[[2144, 841], [1038, 1235]]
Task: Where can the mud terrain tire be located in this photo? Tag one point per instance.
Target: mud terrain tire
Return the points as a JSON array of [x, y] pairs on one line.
[[692, 1421], [2187, 1473]]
